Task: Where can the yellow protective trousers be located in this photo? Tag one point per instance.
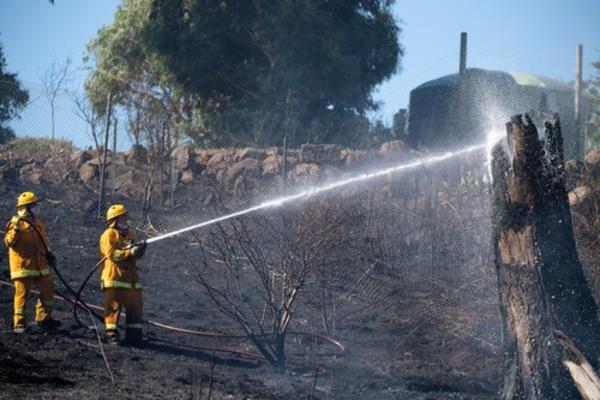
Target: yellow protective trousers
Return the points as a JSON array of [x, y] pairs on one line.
[[43, 307], [114, 300]]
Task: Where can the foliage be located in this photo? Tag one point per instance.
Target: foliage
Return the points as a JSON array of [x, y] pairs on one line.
[[240, 72], [13, 97], [124, 67], [39, 148], [593, 92]]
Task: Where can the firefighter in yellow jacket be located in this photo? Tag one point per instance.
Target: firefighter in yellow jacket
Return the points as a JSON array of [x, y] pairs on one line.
[[29, 256], [119, 280]]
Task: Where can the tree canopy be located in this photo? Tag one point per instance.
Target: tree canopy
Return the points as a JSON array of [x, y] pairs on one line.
[[250, 71], [124, 67], [13, 97]]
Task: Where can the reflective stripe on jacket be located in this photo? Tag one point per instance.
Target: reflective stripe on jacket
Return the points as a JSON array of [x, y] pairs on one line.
[[26, 251], [119, 269]]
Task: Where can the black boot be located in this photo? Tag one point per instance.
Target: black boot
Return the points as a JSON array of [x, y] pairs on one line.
[[49, 323], [134, 337]]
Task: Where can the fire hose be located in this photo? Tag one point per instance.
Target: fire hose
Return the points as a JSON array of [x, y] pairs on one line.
[[79, 303], [334, 342]]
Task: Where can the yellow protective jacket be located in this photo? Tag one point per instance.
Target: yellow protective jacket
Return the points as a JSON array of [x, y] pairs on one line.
[[119, 270], [26, 251]]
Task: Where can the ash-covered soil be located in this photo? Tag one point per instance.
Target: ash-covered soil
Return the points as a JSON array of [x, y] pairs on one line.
[[441, 346]]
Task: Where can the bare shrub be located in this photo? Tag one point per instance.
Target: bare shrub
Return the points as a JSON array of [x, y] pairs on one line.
[[256, 268]]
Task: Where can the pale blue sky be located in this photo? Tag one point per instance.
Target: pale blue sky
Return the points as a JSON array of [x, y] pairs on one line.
[[536, 36]]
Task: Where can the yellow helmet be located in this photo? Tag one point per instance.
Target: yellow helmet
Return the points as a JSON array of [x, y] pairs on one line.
[[26, 198], [114, 211]]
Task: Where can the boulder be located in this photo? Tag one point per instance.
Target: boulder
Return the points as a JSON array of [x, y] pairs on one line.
[[186, 177], [132, 183], [579, 196], [58, 169], [320, 153], [79, 157], [202, 156], [136, 155], [97, 161], [247, 170], [271, 165], [273, 151], [394, 150], [221, 160], [305, 172], [183, 156], [250, 152], [352, 157], [88, 171], [592, 162], [31, 173]]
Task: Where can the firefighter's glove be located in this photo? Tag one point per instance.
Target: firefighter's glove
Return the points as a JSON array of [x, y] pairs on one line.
[[51, 259], [139, 249]]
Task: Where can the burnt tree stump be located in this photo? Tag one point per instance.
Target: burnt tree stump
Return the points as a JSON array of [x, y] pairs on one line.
[[544, 295]]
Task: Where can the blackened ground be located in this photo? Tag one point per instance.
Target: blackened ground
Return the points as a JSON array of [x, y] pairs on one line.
[[426, 353]]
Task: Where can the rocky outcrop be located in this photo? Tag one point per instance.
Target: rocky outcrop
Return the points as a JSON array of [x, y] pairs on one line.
[[235, 170]]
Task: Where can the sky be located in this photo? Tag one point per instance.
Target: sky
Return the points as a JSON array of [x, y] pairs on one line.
[[535, 36]]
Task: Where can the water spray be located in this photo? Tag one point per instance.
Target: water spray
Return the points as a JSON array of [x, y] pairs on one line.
[[331, 186], [79, 303]]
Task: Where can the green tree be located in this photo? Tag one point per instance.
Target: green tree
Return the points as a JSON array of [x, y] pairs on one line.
[[265, 68], [122, 65], [593, 97], [13, 97], [250, 71]]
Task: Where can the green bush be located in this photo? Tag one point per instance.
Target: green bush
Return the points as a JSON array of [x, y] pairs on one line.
[[39, 148]]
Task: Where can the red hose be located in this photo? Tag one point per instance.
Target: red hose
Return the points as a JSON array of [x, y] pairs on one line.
[[326, 339]]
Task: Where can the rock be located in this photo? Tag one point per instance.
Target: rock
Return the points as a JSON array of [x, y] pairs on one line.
[[221, 160], [187, 176], [305, 172], [250, 152], [31, 173], [395, 150], [248, 170], [271, 165], [97, 161], [136, 155], [58, 169], [88, 171], [203, 155], [79, 157], [579, 195], [320, 153], [352, 157], [132, 183], [273, 151], [182, 157], [592, 162]]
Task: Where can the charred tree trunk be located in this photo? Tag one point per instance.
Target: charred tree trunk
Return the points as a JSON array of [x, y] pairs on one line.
[[541, 282]]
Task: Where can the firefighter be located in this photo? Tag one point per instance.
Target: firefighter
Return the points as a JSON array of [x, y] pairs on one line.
[[119, 280], [29, 257]]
